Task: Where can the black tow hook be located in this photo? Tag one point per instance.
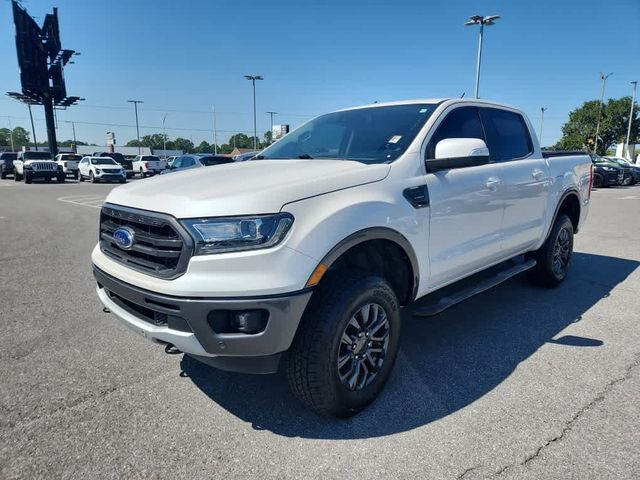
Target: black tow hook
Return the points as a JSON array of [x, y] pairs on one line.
[[106, 310], [170, 349]]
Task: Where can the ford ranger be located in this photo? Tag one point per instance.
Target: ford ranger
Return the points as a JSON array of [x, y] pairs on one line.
[[304, 257]]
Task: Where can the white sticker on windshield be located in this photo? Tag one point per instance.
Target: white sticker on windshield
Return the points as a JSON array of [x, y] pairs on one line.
[[395, 139], [423, 110]]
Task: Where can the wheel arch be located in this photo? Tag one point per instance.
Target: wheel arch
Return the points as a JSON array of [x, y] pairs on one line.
[[569, 204], [405, 278]]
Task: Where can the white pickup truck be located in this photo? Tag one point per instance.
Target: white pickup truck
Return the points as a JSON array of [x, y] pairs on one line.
[[69, 163], [32, 165], [147, 165], [304, 257]]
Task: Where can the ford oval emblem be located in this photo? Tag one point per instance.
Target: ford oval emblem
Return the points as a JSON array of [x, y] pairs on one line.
[[124, 238]]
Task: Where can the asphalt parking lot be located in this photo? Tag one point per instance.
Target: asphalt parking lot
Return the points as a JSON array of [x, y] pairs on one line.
[[518, 382]]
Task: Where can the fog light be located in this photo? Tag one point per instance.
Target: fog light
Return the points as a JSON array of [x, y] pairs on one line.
[[250, 321]]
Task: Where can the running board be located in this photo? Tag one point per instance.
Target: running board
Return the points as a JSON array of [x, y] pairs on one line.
[[439, 305]]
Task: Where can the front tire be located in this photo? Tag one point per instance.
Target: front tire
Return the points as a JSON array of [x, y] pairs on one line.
[[27, 178], [554, 257], [3, 174], [92, 178], [61, 178], [346, 344]]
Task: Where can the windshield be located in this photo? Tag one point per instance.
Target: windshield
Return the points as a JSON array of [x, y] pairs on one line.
[[75, 158], [36, 156], [102, 161], [209, 161], [367, 135]]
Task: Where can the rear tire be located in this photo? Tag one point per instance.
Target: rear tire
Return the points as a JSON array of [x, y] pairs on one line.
[[3, 175], [346, 344], [554, 257], [17, 177], [598, 180]]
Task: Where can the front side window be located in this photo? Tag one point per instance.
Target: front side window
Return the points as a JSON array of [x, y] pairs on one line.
[[188, 162], [507, 134], [368, 135], [463, 122]]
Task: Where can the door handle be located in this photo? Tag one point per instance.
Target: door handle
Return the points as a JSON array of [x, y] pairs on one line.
[[537, 173], [493, 182]]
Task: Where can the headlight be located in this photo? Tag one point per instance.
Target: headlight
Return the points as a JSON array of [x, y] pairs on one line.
[[609, 169], [220, 235]]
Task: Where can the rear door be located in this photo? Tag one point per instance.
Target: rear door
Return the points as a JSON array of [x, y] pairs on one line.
[[525, 178], [466, 206]]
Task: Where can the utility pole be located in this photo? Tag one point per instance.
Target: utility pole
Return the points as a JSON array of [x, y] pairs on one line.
[[73, 128], [215, 131], [272, 114], [33, 128], [11, 134], [482, 21], [164, 137], [542, 110], [253, 79], [135, 106], [633, 101], [603, 77]]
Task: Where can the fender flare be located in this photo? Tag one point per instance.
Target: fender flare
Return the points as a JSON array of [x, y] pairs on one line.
[[563, 197], [377, 233]]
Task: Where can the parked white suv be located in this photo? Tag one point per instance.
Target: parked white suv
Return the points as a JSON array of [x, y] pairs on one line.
[[304, 257], [69, 163], [148, 165], [101, 169], [35, 165]]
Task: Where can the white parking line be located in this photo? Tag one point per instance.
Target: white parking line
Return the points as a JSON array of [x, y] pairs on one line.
[[629, 197], [93, 201]]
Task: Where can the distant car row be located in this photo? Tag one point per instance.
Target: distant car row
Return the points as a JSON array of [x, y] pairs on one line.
[[614, 171], [101, 166]]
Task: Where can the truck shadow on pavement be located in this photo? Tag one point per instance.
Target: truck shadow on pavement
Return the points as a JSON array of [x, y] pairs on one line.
[[445, 362]]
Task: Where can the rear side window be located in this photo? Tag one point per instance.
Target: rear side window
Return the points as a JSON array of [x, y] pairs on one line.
[[463, 122], [507, 135]]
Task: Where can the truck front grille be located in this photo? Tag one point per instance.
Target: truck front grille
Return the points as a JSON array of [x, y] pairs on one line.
[[44, 166], [161, 246]]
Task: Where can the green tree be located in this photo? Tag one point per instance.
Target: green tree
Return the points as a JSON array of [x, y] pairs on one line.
[[204, 147], [579, 132], [133, 143], [68, 143], [183, 144], [268, 138]]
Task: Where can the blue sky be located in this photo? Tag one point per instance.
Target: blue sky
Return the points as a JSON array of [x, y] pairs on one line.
[[182, 57]]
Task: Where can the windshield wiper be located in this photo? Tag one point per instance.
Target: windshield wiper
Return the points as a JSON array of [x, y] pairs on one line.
[[305, 156]]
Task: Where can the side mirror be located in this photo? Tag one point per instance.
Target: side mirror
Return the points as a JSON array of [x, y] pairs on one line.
[[458, 153]]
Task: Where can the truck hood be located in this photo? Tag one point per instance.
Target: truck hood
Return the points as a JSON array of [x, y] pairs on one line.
[[243, 188]]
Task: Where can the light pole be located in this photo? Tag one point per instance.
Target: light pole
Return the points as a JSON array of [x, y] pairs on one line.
[[164, 137], [215, 131], [603, 77], [272, 114], [542, 110], [253, 79], [11, 134], [633, 100], [33, 128], [482, 21], [135, 106]]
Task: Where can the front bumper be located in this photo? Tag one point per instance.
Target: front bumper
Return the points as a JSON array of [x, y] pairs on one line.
[[110, 177], [185, 321]]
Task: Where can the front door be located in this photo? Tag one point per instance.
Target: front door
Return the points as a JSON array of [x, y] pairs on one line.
[[466, 206]]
